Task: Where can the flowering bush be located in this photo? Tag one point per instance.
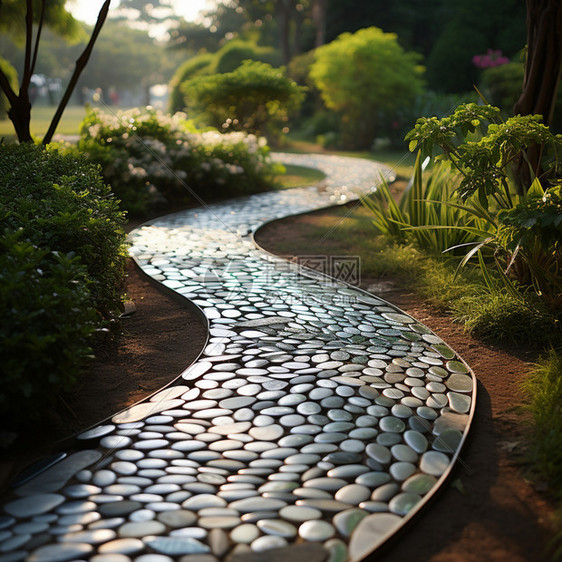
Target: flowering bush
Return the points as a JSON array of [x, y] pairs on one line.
[[147, 156], [490, 60]]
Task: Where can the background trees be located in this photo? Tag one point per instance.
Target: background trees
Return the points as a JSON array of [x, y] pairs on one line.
[[42, 13]]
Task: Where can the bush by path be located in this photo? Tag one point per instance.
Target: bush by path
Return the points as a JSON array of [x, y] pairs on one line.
[[62, 268], [148, 156]]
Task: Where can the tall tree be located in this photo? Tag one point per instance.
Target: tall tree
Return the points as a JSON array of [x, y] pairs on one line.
[[543, 70], [20, 105], [55, 16], [543, 65], [279, 23], [319, 21]]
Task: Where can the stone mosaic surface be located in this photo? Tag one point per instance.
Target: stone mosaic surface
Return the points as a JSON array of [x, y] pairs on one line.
[[315, 422]]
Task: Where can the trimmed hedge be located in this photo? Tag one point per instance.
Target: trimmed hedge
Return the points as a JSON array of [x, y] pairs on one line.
[[61, 273], [60, 202]]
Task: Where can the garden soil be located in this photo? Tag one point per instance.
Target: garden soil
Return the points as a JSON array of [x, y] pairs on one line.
[[488, 511]]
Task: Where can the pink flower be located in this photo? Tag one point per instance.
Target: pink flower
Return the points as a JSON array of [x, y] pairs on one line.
[[490, 59]]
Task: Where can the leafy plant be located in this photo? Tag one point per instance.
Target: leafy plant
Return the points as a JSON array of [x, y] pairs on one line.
[[60, 203], [518, 224], [46, 329], [423, 213], [255, 97], [485, 163], [531, 233]]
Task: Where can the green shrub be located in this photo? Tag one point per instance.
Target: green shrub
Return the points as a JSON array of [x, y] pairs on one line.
[[61, 273], [146, 155], [255, 97], [502, 317], [12, 76], [449, 65], [46, 328], [502, 85], [195, 66], [363, 76], [60, 203]]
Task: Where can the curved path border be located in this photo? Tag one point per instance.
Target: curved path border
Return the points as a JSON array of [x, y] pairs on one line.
[[317, 421]]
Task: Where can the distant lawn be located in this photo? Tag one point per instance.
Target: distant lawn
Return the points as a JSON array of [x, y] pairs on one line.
[[41, 119], [299, 176], [401, 161]]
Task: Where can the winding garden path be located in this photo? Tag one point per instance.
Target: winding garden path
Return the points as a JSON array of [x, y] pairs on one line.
[[318, 420]]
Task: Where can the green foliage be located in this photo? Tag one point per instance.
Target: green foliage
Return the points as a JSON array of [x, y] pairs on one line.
[[197, 65], [520, 228], [255, 97], [362, 76], [60, 203], [485, 164], [146, 155], [61, 270], [57, 17], [502, 85], [235, 52], [137, 62], [468, 28], [12, 76], [449, 65], [531, 232], [46, 329], [543, 389], [423, 214]]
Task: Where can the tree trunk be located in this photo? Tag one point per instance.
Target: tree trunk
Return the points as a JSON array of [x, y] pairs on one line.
[[284, 7], [544, 59], [20, 115], [297, 47], [319, 20], [543, 68]]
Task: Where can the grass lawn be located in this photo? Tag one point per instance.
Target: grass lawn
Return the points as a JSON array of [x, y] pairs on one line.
[[299, 176], [401, 161], [41, 119]]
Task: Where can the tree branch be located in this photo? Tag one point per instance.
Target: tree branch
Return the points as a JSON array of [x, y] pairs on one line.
[[7, 88], [26, 77], [81, 63], [39, 29]]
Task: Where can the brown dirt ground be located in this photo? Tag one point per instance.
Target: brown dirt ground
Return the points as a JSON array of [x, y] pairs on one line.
[[488, 512]]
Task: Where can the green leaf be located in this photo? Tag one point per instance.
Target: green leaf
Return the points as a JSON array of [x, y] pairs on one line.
[[536, 188]]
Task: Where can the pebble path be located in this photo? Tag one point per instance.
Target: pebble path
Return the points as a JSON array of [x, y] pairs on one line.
[[316, 422]]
